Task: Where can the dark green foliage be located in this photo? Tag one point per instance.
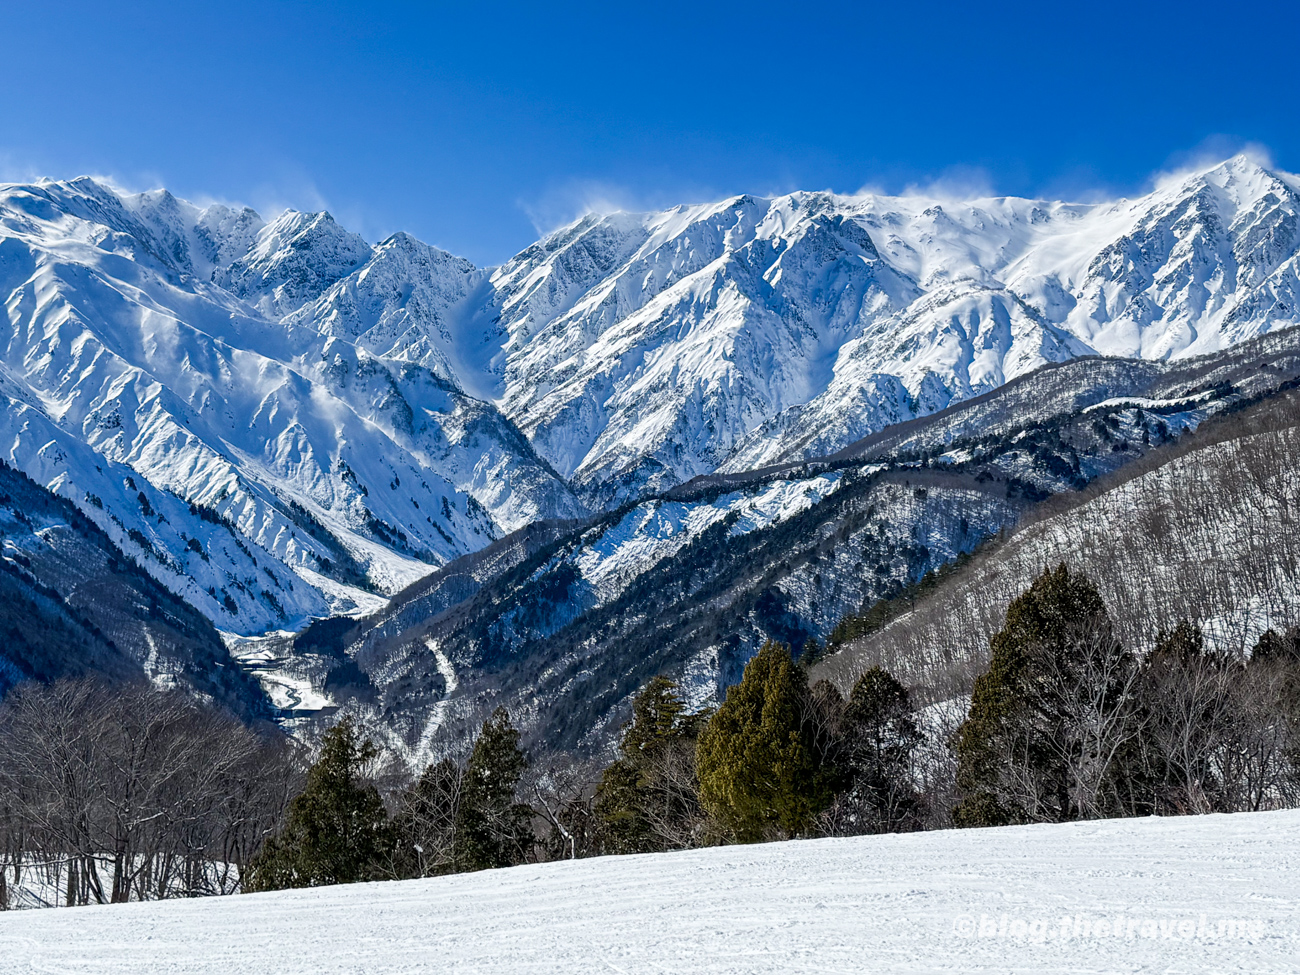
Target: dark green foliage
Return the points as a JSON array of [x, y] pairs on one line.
[[337, 831], [1184, 644], [328, 635], [492, 829], [648, 799], [877, 738], [758, 758], [1053, 716], [811, 653], [620, 810], [901, 600]]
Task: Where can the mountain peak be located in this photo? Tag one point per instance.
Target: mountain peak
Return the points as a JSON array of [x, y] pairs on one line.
[[293, 260], [362, 409]]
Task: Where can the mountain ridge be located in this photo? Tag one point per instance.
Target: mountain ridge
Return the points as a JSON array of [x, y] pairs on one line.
[[356, 416]]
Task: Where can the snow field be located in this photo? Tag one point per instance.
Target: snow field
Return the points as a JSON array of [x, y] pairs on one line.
[[1013, 900]]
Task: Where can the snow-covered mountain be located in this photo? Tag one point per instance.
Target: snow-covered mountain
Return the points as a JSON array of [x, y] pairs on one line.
[[275, 417], [564, 623], [263, 468], [642, 350]]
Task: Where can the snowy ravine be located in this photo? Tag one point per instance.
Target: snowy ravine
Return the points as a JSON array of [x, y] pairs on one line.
[[895, 904]]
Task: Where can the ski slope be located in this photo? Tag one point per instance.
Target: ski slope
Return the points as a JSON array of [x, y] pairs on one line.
[[891, 904]]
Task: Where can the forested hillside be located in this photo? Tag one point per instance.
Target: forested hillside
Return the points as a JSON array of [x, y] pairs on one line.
[[1206, 530]]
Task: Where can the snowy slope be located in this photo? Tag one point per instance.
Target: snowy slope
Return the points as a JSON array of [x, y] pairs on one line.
[[144, 368], [899, 904], [361, 415]]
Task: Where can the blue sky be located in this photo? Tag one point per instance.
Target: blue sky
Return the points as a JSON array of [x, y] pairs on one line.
[[474, 124]]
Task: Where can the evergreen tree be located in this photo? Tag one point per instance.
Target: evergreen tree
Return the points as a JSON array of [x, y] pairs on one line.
[[337, 830], [657, 719], [648, 799], [621, 798], [1054, 715], [878, 736], [758, 757], [1273, 647], [492, 829]]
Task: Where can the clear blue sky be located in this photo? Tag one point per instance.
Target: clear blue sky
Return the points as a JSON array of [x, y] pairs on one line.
[[471, 124]]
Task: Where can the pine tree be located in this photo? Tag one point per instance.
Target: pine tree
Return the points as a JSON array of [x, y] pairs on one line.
[[1054, 715], [648, 798], [878, 735], [656, 718], [492, 829], [757, 758], [337, 830], [620, 810]]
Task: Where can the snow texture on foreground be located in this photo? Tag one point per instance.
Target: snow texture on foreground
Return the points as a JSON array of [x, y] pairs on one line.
[[894, 904]]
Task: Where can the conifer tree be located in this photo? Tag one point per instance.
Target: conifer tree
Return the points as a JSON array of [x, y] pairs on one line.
[[878, 734], [492, 829], [648, 798], [620, 810], [1052, 718], [337, 830], [758, 757], [1273, 647]]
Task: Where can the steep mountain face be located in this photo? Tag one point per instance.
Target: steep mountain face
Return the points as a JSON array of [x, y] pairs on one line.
[[72, 605], [265, 469], [564, 623], [642, 350], [280, 421], [293, 260]]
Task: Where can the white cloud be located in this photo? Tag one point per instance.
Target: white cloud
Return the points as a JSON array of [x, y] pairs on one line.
[[955, 183]]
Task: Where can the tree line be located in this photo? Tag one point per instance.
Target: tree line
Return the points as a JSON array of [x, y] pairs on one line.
[[128, 792], [1066, 723], [135, 794]]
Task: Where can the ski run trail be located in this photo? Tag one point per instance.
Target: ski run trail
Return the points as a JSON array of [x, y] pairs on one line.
[[1196, 894]]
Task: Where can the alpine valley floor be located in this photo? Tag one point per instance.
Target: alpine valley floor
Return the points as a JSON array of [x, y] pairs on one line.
[[890, 904]]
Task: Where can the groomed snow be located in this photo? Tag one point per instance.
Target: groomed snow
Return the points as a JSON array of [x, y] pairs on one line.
[[891, 904]]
